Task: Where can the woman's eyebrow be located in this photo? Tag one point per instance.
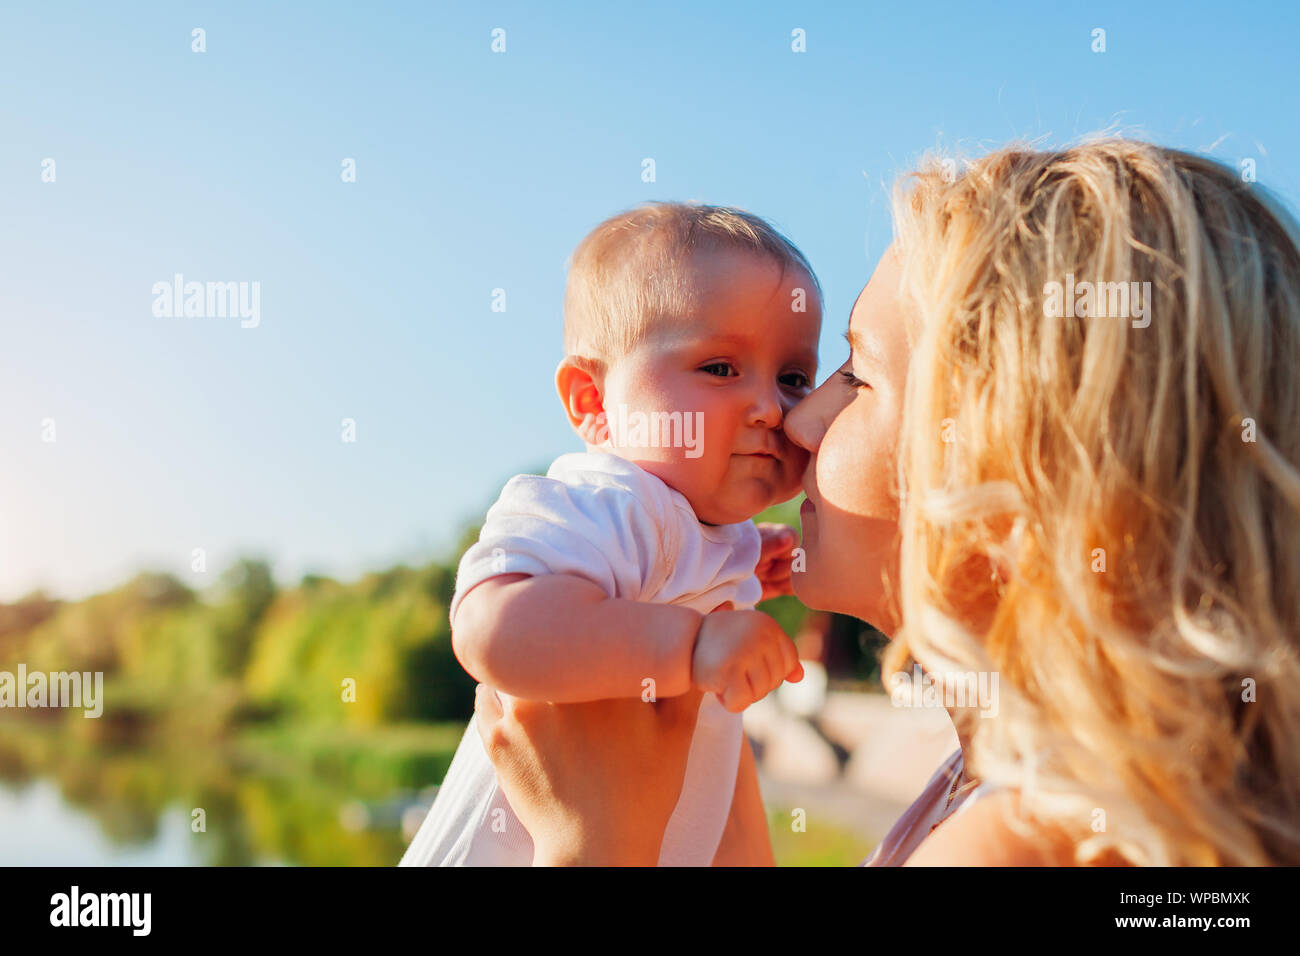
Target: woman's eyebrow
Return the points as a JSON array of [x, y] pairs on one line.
[[862, 348], [857, 344]]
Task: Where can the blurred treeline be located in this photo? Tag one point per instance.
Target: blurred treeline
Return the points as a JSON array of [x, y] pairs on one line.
[[247, 651]]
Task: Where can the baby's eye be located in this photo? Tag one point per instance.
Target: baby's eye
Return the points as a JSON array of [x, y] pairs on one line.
[[796, 380], [712, 369]]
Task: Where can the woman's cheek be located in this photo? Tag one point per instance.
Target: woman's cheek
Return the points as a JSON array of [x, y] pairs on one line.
[[847, 469], [875, 461], [857, 513]]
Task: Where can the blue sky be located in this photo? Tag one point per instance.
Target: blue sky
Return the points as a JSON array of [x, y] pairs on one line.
[[475, 171]]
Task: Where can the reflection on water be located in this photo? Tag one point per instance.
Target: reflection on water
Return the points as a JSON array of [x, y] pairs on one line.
[[38, 828], [65, 801]]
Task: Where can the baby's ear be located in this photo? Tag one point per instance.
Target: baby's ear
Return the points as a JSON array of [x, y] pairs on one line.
[[580, 382]]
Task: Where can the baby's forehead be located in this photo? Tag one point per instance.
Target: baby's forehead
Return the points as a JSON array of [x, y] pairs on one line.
[[719, 325]]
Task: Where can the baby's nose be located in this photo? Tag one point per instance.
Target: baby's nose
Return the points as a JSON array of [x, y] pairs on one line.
[[767, 410]]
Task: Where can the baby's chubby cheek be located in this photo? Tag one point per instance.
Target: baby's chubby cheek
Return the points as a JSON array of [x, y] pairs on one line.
[[796, 465], [787, 477]]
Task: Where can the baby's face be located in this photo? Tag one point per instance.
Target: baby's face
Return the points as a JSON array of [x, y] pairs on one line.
[[726, 374]]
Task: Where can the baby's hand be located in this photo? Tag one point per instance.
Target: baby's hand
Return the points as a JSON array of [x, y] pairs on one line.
[[775, 558], [742, 656]]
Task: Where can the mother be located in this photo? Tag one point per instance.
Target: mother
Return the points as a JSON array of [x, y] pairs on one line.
[[1090, 490]]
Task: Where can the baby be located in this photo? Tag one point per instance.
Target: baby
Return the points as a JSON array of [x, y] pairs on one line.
[[629, 570]]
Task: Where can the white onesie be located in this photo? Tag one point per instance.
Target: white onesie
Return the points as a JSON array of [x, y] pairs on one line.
[[607, 520]]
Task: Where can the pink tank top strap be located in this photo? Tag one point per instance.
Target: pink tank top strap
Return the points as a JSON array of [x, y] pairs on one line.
[[947, 793]]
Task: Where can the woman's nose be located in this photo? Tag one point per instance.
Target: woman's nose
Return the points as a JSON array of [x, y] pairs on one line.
[[803, 424]]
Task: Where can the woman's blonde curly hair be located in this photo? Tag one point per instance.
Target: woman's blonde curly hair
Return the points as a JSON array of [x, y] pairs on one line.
[[1106, 514]]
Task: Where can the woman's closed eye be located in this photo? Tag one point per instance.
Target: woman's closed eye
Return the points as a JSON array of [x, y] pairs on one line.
[[852, 380]]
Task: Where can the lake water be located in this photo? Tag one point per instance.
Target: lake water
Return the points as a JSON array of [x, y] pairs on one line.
[[38, 828], [284, 799]]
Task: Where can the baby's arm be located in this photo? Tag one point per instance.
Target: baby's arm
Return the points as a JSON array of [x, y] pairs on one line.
[[561, 638]]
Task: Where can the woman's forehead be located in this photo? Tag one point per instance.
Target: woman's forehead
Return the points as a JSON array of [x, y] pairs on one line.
[[877, 324]]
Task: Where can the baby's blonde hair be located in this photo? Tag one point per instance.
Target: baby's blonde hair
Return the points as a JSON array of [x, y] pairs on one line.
[[1108, 516], [629, 272]]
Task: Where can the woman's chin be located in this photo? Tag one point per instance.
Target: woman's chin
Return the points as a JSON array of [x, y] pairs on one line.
[[825, 596], [806, 589]]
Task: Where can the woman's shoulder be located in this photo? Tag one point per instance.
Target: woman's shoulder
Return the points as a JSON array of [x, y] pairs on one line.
[[984, 834]]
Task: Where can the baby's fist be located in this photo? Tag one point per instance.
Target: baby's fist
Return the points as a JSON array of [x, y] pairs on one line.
[[742, 656]]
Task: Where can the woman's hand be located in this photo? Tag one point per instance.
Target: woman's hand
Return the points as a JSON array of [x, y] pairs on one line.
[[594, 784], [775, 559]]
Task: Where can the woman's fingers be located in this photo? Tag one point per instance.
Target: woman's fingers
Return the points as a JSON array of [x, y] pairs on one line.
[[489, 712], [776, 541], [777, 584], [774, 561], [487, 705], [575, 774], [677, 715]]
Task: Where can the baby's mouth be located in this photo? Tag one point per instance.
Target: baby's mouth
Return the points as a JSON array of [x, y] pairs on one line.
[[766, 451]]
